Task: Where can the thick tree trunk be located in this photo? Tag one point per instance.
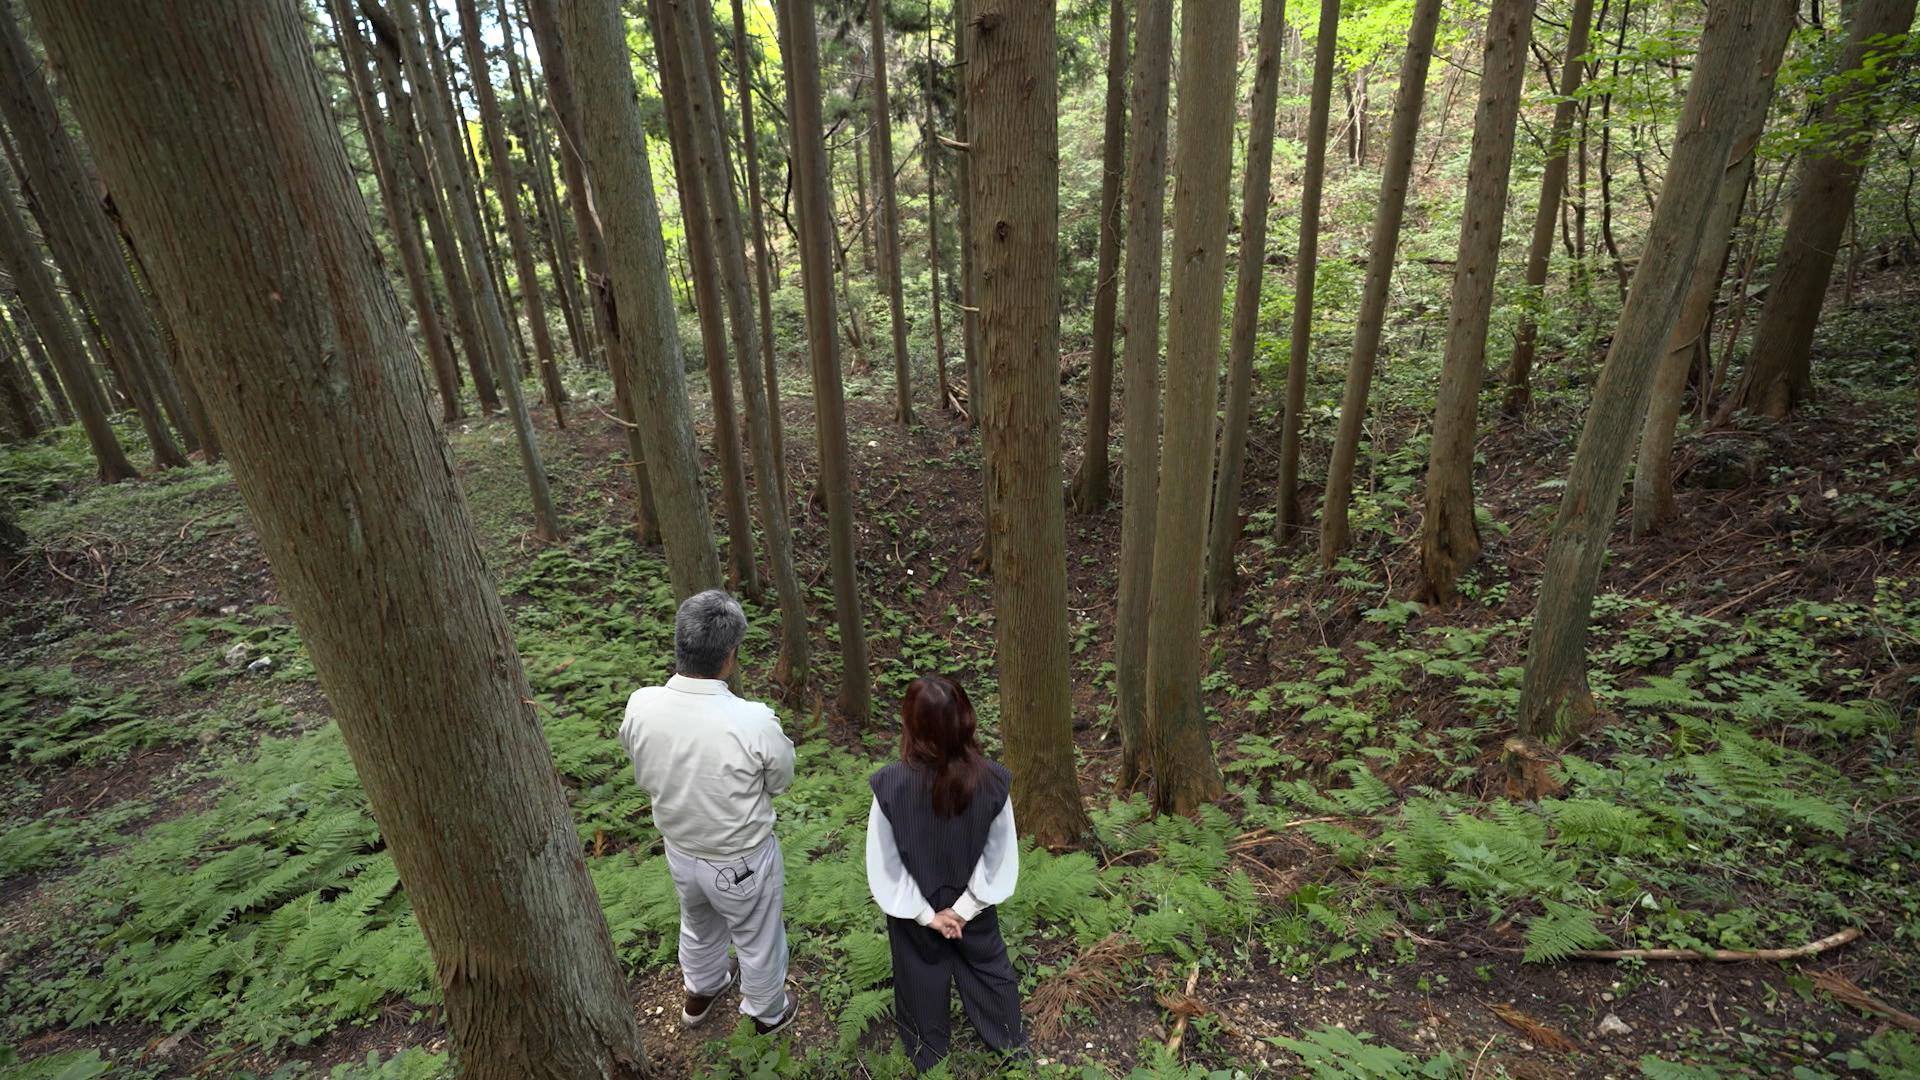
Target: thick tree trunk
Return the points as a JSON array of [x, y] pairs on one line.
[[1011, 87], [500, 161], [493, 326], [1553, 693], [552, 229], [1185, 773], [762, 251], [401, 216], [589, 38], [1091, 485], [389, 48], [1779, 373], [1146, 198], [50, 320], [887, 209], [260, 247], [1450, 538], [969, 280], [1553, 181], [1335, 530], [1289, 515], [694, 216], [691, 35], [1653, 503], [930, 141], [16, 387], [82, 240], [800, 51], [1224, 529]]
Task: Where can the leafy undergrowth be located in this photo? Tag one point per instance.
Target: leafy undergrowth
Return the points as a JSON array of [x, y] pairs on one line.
[[1751, 789]]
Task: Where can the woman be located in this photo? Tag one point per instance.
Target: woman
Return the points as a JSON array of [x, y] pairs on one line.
[[941, 853]]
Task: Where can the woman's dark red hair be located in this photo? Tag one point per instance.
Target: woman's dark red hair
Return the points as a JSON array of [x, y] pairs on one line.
[[938, 734]]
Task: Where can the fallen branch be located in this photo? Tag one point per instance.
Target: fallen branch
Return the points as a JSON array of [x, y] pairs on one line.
[[1718, 956], [1845, 992], [1180, 1025]]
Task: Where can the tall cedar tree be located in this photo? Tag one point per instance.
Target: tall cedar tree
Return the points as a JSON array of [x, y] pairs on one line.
[[625, 357], [930, 144], [1012, 92], [1554, 698], [1553, 181], [406, 110], [58, 185], [1779, 374], [762, 250], [692, 35], [37, 356], [1289, 516], [397, 193], [1184, 771], [1653, 502], [506, 186], [589, 38], [466, 225], [1224, 528], [888, 208], [969, 320], [261, 250], [703, 267], [1091, 486], [1140, 367], [1450, 538], [1335, 532], [36, 290], [800, 47]]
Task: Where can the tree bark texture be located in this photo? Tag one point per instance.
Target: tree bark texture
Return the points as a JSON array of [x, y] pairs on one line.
[[762, 251], [1184, 771], [37, 356], [1012, 92], [801, 48], [1450, 538], [969, 281], [930, 141], [1553, 181], [261, 252], [1553, 692], [1091, 485], [888, 209], [1146, 198], [1335, 527]]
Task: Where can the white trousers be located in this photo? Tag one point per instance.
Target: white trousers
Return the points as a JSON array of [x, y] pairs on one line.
[[734, 902]]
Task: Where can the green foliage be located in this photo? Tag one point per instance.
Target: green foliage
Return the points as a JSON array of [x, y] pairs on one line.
[[1331, 1053]]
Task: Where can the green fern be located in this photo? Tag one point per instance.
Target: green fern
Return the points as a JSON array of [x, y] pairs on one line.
[[1561, 932], [860, 1014]]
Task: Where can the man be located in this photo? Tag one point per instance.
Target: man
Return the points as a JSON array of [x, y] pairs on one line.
[[713, 763]]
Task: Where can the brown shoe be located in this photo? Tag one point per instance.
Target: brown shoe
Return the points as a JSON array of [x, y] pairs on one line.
[[699, 1007], [769, 1027]]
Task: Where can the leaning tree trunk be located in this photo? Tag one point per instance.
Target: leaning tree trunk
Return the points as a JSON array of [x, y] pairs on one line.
[[1553, 181], [37, 356], [1335, 530], [560, 255], [259, 246], [16, 387], [82, 239], [1553, 692], [623, 362], [1779, 374], [762, 257], [1091, 487], [1653, 503], [1146, 196], [1450, 538], [706, 289], [888, 208], [1224, 528], [1289, 516], [1185, 773], [493, 325], [1011, 88], [388, 52], [50, 319], [688, 23], [589, 39], [398, 195], [800, 49], [500, 161]]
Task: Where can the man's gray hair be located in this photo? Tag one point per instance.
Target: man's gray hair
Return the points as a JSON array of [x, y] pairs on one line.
[[708, 628]]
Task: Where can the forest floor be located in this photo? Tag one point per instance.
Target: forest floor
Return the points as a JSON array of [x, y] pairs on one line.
[[190, 885]]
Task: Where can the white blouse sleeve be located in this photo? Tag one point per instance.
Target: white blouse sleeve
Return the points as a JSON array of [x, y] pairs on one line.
[[998, 870], [887, 878]]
